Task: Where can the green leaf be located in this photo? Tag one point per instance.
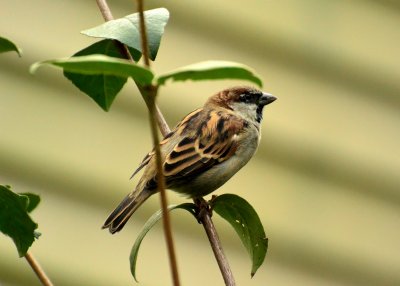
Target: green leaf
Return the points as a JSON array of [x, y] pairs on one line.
[[33, 201], [100, 65], [8, 46], [244, 219], [148, 225], [127, 30], [212, 70], [102, 88], [14, 219]]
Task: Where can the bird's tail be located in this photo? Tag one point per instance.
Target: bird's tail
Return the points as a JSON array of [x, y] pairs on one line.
[[118, 218]]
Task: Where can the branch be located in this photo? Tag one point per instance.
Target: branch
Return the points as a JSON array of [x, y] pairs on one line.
[[38, 270], [143, 34], [105, 10], [205, 218], [162, 123], [151, 92]]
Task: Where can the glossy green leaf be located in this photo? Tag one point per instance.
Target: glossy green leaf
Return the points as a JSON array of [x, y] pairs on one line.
[[8, 46], [148, 225], [127, 30], [98, 65], [33, 201], [103, 66], [244, 219], [211, 70], [15, 220], [102, 88]]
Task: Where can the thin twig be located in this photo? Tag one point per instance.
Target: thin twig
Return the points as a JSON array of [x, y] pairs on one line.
[[205, 219], [143, 34], [151, 93], [105, 10], [162, 123], [107, 15], [218, 251], [38, 270], [161, 189]]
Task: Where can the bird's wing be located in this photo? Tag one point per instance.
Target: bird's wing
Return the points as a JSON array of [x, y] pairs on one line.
[[203, 144], [200, 141], [149, 155], [167, 138]]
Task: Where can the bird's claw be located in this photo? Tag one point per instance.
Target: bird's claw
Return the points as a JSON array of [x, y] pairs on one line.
[[203, 208]]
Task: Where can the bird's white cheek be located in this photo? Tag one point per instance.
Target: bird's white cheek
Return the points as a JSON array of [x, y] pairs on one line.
[[247, 111]]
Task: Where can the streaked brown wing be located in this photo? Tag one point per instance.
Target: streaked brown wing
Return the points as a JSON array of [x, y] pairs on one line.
[[187, 121], [148, 157], [214, 141]]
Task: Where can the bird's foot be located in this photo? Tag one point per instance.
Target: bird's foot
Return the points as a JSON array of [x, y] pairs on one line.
[[203, 207]]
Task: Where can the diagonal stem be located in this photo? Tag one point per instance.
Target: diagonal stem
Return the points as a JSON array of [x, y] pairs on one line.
[[38, 270], [151, 92], [143, 34], [105, 10], [217, 249], [205, 219]]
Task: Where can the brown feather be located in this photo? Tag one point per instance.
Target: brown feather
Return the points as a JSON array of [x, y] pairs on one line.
[[195, 155]]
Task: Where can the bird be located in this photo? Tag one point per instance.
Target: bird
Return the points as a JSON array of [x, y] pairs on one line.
[[203, 151]]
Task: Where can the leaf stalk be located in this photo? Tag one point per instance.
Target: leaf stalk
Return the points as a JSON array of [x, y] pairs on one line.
[[38, 270]]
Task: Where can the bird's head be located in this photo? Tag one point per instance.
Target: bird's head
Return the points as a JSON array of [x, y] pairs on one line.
[[245, 101]]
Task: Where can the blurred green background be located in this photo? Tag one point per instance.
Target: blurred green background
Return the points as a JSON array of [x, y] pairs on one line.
[[325, 180]]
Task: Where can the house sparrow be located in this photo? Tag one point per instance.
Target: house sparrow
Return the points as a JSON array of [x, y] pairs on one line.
[[203, 151]]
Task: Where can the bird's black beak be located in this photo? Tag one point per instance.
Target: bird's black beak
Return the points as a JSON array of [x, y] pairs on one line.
[[266, 98]]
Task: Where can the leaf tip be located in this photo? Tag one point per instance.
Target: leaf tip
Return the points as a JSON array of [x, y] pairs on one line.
[[8, 46], [34, 67], [259, 82], [19, 51], [83, 32]]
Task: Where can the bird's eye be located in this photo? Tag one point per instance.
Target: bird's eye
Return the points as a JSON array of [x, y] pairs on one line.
[[246, 97]]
